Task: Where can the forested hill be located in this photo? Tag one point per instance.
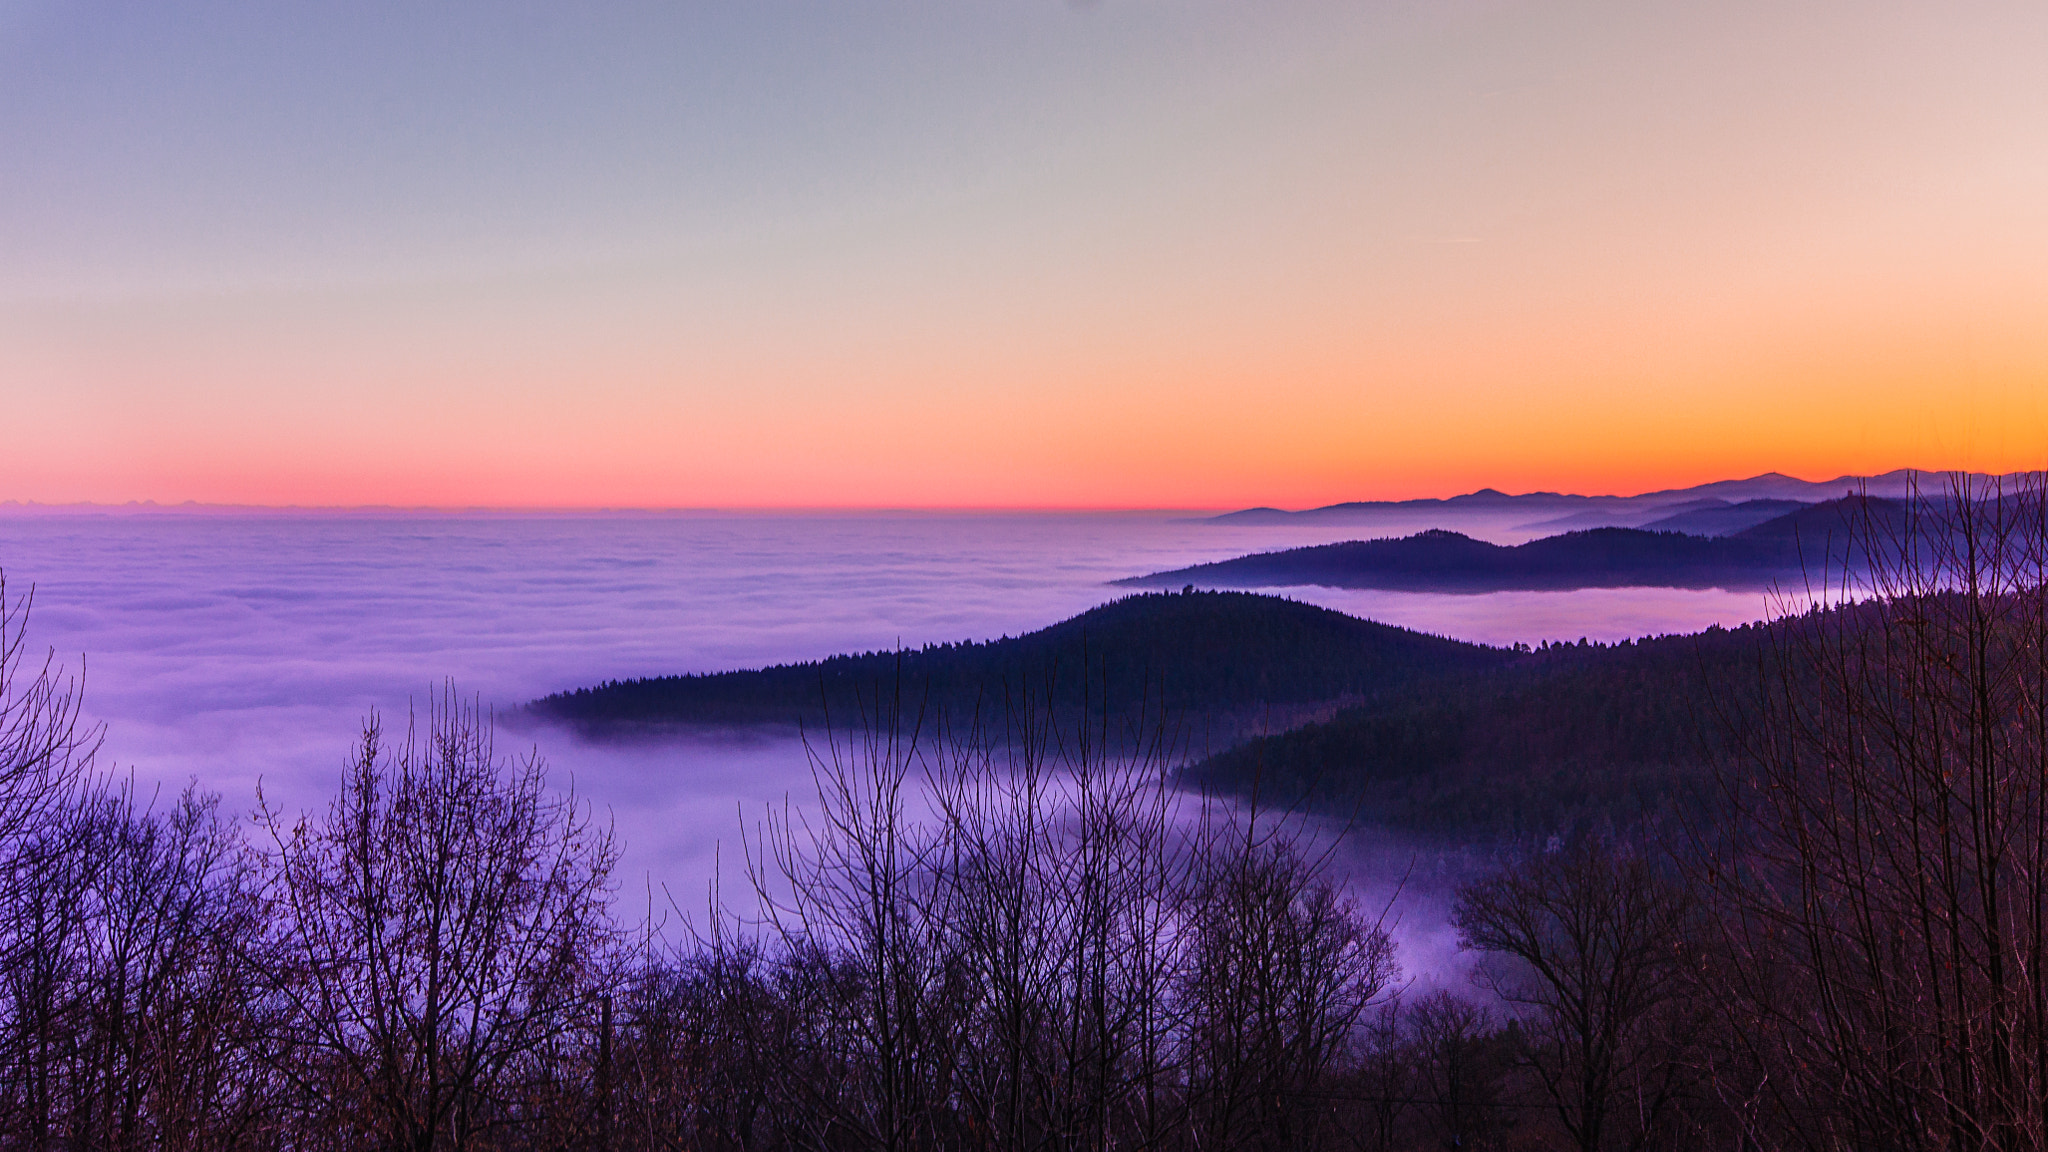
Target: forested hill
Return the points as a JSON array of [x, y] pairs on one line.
[[1444, 561], [1190, 655], [1571, 734]]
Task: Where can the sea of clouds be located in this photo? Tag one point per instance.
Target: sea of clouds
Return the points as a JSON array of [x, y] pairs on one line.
[[233, 650]]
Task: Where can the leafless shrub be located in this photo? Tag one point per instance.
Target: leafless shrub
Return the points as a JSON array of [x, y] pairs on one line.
[[169, 1002], [705, 1056], [122, 1015], [51, 871]]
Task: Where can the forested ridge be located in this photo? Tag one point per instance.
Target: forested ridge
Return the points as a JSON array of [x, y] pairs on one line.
[[1429, 734], [1183, 656]]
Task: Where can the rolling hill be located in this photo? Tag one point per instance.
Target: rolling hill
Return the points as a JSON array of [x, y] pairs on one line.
[[1195, 657]]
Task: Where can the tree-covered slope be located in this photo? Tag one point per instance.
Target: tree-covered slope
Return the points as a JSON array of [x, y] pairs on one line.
[[1568, 733], [1186, 656]]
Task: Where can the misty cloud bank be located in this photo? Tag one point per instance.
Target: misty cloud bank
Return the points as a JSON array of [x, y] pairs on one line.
[[230, 650]]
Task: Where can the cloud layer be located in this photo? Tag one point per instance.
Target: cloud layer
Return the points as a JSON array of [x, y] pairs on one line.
[[230, 650]]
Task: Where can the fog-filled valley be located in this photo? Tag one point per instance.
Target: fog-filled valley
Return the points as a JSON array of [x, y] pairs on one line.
[[229, 649], [917, 832]]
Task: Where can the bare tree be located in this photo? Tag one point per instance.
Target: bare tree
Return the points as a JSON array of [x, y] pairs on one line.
[[45, 743], [1282, 967], [51, 871], [706, 1056], [1458, 1069], [1063, 895], [46, 870], [447, 919], [1592, 944], [847, 895], [1383, 1079], [171, 1033], [1052, 956], [1886, 898]]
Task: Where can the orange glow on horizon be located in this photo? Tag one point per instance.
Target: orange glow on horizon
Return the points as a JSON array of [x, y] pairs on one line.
[[1143, 257]]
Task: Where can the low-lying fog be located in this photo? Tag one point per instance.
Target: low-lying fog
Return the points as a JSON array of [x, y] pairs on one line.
[[231, 648]]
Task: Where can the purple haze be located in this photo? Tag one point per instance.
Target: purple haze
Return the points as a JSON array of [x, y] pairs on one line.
[[228, 649]]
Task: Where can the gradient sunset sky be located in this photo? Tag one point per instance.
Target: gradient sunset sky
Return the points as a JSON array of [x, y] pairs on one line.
[[1030, 253]]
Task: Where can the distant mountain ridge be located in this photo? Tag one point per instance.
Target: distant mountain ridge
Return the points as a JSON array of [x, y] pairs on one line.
[[1811, 537], [1711, 518], [1626, 511]]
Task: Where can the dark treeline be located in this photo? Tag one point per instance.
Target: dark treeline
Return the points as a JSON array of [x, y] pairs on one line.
[[1568, 736], [1029, 942], [1203, 656]]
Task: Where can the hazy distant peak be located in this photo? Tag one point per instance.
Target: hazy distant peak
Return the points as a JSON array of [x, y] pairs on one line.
[[1574, 511]]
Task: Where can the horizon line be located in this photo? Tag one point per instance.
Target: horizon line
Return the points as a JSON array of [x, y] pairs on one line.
[[197, 507]]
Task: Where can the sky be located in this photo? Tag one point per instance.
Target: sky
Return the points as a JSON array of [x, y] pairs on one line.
[[1038, 253]]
